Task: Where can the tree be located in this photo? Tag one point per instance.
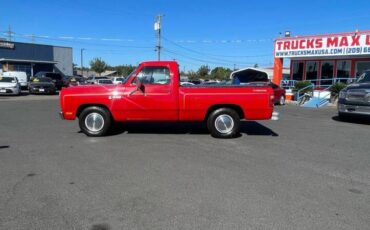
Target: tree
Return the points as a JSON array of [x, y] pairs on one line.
[[123, 70], [203, 71], [220, 73], [98, 65], [192, 75], [255, 65]]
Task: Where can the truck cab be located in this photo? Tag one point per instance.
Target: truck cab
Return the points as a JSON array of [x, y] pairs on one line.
[[355, 98]]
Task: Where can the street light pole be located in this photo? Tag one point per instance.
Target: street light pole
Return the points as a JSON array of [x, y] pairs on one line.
[[82, 62]]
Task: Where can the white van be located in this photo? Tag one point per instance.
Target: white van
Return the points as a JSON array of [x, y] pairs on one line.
[[21, 76]]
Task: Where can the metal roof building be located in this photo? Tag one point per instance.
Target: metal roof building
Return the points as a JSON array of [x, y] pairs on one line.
[[32, 58]]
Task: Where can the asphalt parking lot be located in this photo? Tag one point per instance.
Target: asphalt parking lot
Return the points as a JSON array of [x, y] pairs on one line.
[[306, 171]]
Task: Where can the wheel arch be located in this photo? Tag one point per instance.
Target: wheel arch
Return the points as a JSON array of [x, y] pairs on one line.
[[237, 109], [84, 106]]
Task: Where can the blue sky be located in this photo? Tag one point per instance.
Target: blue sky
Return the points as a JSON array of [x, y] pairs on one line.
[[217, 33]]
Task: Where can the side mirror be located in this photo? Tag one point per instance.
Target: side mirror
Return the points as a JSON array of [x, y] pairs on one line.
[[139, 87]]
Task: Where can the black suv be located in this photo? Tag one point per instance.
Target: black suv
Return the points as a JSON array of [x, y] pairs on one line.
[[57, 78], [355, 98]]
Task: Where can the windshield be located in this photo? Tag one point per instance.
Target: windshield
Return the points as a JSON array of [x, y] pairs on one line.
[[365, 77], [7, 79], [129, 76], [41, 79]]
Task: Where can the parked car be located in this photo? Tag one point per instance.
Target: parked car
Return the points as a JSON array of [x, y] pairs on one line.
[[118, 80], [75, 81], [94, 79], [56, 78], [141, 98], [42, 85], [186, 83], [9, 86], [279, 94], [355, 98], [21, 77], [104, 82]]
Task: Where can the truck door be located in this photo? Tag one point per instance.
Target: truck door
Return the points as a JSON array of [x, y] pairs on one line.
[[156, 100]]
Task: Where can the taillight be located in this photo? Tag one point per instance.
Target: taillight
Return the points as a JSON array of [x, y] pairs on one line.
[[272, 97]]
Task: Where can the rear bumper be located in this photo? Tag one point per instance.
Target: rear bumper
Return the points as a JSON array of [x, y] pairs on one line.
[[353, 109], [275, 116]]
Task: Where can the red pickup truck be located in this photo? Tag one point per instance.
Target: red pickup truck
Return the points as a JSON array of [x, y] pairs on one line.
[[153, 93]]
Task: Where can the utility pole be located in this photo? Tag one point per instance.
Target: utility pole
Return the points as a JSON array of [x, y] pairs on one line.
[[82, 62], [157, 28], [10, 33]]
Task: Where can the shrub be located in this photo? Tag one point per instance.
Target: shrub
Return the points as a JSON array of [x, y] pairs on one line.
[[300, 85], [336, 88]]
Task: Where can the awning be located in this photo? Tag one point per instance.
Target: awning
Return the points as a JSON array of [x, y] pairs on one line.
[[25, 60]]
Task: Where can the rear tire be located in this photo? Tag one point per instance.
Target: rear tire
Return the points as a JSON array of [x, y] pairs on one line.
[[223, 123], [95, 121]]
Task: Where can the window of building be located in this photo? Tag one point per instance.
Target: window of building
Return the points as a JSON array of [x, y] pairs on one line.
[[327, 72], [312, 71], [343, 69], [297, 71], [362, 66], [154, 75], [21, 68]]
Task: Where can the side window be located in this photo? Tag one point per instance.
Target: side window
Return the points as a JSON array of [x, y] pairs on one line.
[[154, 75]]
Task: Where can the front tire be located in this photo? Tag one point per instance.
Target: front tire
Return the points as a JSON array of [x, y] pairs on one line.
[[95, 121], [223, 123]]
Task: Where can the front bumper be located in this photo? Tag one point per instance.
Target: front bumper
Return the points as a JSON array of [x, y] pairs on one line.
[[10, 91], [354, 109], [42, 90]]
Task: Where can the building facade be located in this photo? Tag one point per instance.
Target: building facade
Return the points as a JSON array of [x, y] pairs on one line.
[[32, 58], [323, 59]]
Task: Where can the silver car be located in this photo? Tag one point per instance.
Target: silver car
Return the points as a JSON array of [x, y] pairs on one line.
[[9, 86]]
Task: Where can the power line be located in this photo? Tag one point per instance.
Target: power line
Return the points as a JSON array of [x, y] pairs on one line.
[[214, 55], [206, 61]]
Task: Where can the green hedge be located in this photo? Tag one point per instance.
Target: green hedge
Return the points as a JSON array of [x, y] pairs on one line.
[[336, 88]]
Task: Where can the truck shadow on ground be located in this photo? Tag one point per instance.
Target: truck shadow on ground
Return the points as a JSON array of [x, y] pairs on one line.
[[362, 120], [196, 128]]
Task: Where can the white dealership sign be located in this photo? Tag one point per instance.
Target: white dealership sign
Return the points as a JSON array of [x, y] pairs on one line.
[[323, 46]]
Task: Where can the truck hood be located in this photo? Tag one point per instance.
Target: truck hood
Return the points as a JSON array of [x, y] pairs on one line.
[[7, 85], [359, 86], [91, 89]]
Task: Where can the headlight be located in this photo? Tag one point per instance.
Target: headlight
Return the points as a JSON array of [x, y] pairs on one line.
[[342, 94]]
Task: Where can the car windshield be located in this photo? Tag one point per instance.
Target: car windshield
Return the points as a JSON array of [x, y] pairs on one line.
[[41, 79], [54, 76], [365, 77], [7, 79]]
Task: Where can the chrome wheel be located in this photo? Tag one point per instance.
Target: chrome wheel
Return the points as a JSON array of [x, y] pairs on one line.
[[224, 123], [94, 122], [282, 100]]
